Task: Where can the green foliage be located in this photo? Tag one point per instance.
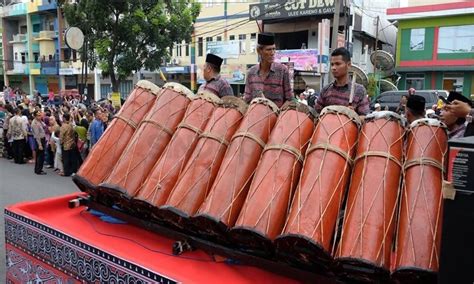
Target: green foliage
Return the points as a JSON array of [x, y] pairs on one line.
[[372, 86], [126, 35]]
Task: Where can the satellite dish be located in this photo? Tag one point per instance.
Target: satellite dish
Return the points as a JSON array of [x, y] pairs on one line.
[[386, 85], [74, 38], [382, 60], [361, 76]]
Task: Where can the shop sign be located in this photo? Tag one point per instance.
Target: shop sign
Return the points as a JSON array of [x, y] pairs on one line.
[[232, 73], [66, 71], [224, 49], [303, 59], [115, 98], [290, 9]]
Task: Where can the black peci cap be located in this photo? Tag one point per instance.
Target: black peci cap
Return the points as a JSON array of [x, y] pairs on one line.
[[416, 103], [214, 59], [266, 39], [458, 96]]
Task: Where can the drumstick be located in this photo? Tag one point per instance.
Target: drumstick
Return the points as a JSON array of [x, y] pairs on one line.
[[351, 96]]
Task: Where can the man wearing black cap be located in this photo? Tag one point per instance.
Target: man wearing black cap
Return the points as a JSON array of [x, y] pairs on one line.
[[457, 126], [268, 78], [415, 108], [214, 83]]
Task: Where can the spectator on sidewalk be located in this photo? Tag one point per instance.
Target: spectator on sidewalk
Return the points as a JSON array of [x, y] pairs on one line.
[[68, 144], [18, 130], [97, 127], [39, 135]]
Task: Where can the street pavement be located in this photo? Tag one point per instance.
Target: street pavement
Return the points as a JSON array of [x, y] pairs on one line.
[[19, 183]]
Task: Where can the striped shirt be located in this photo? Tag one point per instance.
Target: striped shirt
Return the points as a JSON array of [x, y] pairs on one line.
[[275, 87], [339, 95], [218, 86]]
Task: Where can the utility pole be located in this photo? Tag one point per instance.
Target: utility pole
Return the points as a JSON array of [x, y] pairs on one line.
[[335, 31], [376, 40]]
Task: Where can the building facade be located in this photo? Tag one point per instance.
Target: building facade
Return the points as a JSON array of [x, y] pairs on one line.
[[34, 51], [435, 46]]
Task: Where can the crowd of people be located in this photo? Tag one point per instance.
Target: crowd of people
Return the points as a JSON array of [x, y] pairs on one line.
[[49, 135]]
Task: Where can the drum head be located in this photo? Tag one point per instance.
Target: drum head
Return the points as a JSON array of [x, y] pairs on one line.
[[429, 122], [266, 102], [300, 108], [234, 102], [147, 85], [385, 114], [179, 88], [342, 110], [207, 96]]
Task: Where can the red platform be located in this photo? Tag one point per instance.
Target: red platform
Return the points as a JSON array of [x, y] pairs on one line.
[[45, 240]]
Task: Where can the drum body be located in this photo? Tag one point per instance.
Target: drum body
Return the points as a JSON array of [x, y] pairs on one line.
[[107, 151], [370, 214], [419, 229], [227, 195], [147, 144], [307, 238], [196, 180], [265, 210], [162, 178]]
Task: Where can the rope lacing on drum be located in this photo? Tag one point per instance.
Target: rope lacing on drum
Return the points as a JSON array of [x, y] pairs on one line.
[[105, 137], [236, 192], [434, 257], [297, 200], [132, 148], [388, 158], [180, 161], [276, 191], [205, 173]]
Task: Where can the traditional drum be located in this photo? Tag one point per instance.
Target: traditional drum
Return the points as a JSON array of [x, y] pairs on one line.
[[365, 246], [265, 210], [199, 173], [227, 195], [149, 141], [157, 187], [308, 236], [419, 229], [106, 152]]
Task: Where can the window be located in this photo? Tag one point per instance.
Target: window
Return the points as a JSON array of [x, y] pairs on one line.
[[180, 50], [67, 54], [417, 39], [200, 46], [218, 38], [74, 56], [208, 38], [16, 56], [456, 39], [242, 43], [253, 42], [232, 37], [36, 56], [415, 80], [186, 48], [23, 58]]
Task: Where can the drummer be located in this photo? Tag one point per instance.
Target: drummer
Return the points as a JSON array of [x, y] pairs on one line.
[[415, 108], [214, 82], [268, 78], [338, 92]]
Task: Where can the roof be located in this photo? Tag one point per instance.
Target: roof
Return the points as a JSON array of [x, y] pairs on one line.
[[428, 11]]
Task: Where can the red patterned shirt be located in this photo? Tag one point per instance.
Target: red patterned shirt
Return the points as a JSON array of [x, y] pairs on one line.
[[218, 86], [339, 95], [275, 87]]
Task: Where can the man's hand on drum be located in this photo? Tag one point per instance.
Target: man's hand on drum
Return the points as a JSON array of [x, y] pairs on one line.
[[458, 108]]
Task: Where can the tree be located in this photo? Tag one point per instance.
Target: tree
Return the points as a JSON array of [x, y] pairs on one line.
[[123, 36]]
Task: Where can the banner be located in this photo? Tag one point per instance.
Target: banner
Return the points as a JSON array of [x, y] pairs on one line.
[[302, 59], [224, 49], [115, 98], [291, 8], [232, 73]]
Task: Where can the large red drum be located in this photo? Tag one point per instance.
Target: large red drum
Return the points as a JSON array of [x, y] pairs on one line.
[[162, 178], [106, 152], [227, 195], [307, 239], [419, 229], [368, 230], [265, 210], [195, 181], [148, 142]]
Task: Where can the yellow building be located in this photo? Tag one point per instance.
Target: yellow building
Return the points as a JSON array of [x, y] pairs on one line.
[[223, 27]]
